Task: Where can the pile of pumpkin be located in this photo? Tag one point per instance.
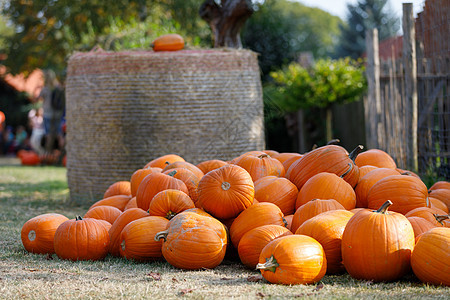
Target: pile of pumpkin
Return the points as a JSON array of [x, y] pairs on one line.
[[293, 217]]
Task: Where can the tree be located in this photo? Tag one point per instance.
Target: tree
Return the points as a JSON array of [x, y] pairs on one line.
[[364, 15], [327, 82]]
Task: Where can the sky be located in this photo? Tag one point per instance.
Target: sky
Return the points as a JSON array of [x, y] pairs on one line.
[[339, 7]]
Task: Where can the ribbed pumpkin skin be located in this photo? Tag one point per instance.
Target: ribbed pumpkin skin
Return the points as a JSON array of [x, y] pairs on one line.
[[277, 190], [405, 192], [327, 186], [116, 228], [330, 158], [168, 42], [170, 202], [440, 185], [441, 194], [131, 204], [163, 161], [255, 240], [138, 176], [436, 203], [107, 213], [312, 209], [260, 166], [117, 201], [366, 183], [377, 246], [186, 165], [259, 214], [301, 260], [427, 213], [364, 170], [209, 165], [194, 242], [420, 225], [327, 228], [375, 157], [137, 239], [85, 239], [284, 156], [38, 233], [225, 192], [430, 259], [154, 183], [118, 188], [189, 178]]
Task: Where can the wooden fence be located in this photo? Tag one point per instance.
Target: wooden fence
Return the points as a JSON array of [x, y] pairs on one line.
[[407, 109]]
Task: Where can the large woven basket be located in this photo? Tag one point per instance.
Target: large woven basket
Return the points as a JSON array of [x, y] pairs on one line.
[[127, 108]]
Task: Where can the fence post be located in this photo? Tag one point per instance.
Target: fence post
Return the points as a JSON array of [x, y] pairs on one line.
[[373, 107], [409, 61]]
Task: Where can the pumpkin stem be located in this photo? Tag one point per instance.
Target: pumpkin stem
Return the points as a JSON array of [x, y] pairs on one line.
[[348, 171], [162, 235], [170, 215], [441, 218], [270, 265], [355, 152], [314, 147], [285, 222], [333, 142], [263, 155], [78, 218], [172, 173], [383, 209]]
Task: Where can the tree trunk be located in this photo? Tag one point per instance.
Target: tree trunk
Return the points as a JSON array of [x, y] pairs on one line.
[[329, 124], [226, 20]]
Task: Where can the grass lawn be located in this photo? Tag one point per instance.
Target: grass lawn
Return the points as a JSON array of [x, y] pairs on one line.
[[26, 192]]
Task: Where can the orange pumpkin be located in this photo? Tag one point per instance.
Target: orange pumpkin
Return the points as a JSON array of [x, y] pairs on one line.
[[331, 158], [288, 220], [284, 156], [364, 170], [163, 161], [327, 228], [441, 194], [366, 183], [264, 213], [137, 239], [420, 225], [255, 240], [377, 245], [138, 176], [327, 186], [432, 215], [293, 259], [277, 190], [154, 183], [189, 178], [440, 185], [184, 164], [131, 204], [117, 201], [311, 209], [430, 260], [406, 193], [209, 165], [169, 203], [118, 188], [226, 191], [118, 225], [260, 166], [436, 203], [107, 213], [287, 163], [81, 239], [193, 241], [168, 42], [377, 158], [38, 233], [30, 158]]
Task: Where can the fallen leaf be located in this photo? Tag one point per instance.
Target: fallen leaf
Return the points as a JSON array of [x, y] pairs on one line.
[[185, 291], [225, 278], [174, 279], [33, 270], [318, 287], [255, 278], [154, 275], [259, 294]]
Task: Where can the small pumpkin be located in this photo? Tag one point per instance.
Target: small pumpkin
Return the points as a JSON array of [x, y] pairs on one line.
[[117, 201], [377, 245], [430, 260], [103, 212], [293, 259], [163, 161], [277, 190], [441, 194], [138, 176], [440, 185], [375, 157], [81, 239], [118, 188], [420, 225], [364, 170], [38, 233], [432, 215], [184, 164], [284, 156], [209, 165], [259, 166], [436, 203], [131, 204], [189, 178], [169, 203], [168, 42]]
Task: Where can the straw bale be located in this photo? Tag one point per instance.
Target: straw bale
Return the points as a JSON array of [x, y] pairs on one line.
[[126, 108]]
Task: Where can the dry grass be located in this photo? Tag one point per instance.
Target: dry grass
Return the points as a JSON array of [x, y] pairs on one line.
[[29, 191]]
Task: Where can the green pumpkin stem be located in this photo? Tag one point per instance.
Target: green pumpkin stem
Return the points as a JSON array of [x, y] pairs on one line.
[[270, 265], [350, 167], [162, 235], [170, 215], [384, 208], [172, 173], [441, 218], [355, 152], [285, 222], [78, 218]]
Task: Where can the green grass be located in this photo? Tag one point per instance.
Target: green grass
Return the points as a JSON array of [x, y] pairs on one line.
[[26, 192]]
